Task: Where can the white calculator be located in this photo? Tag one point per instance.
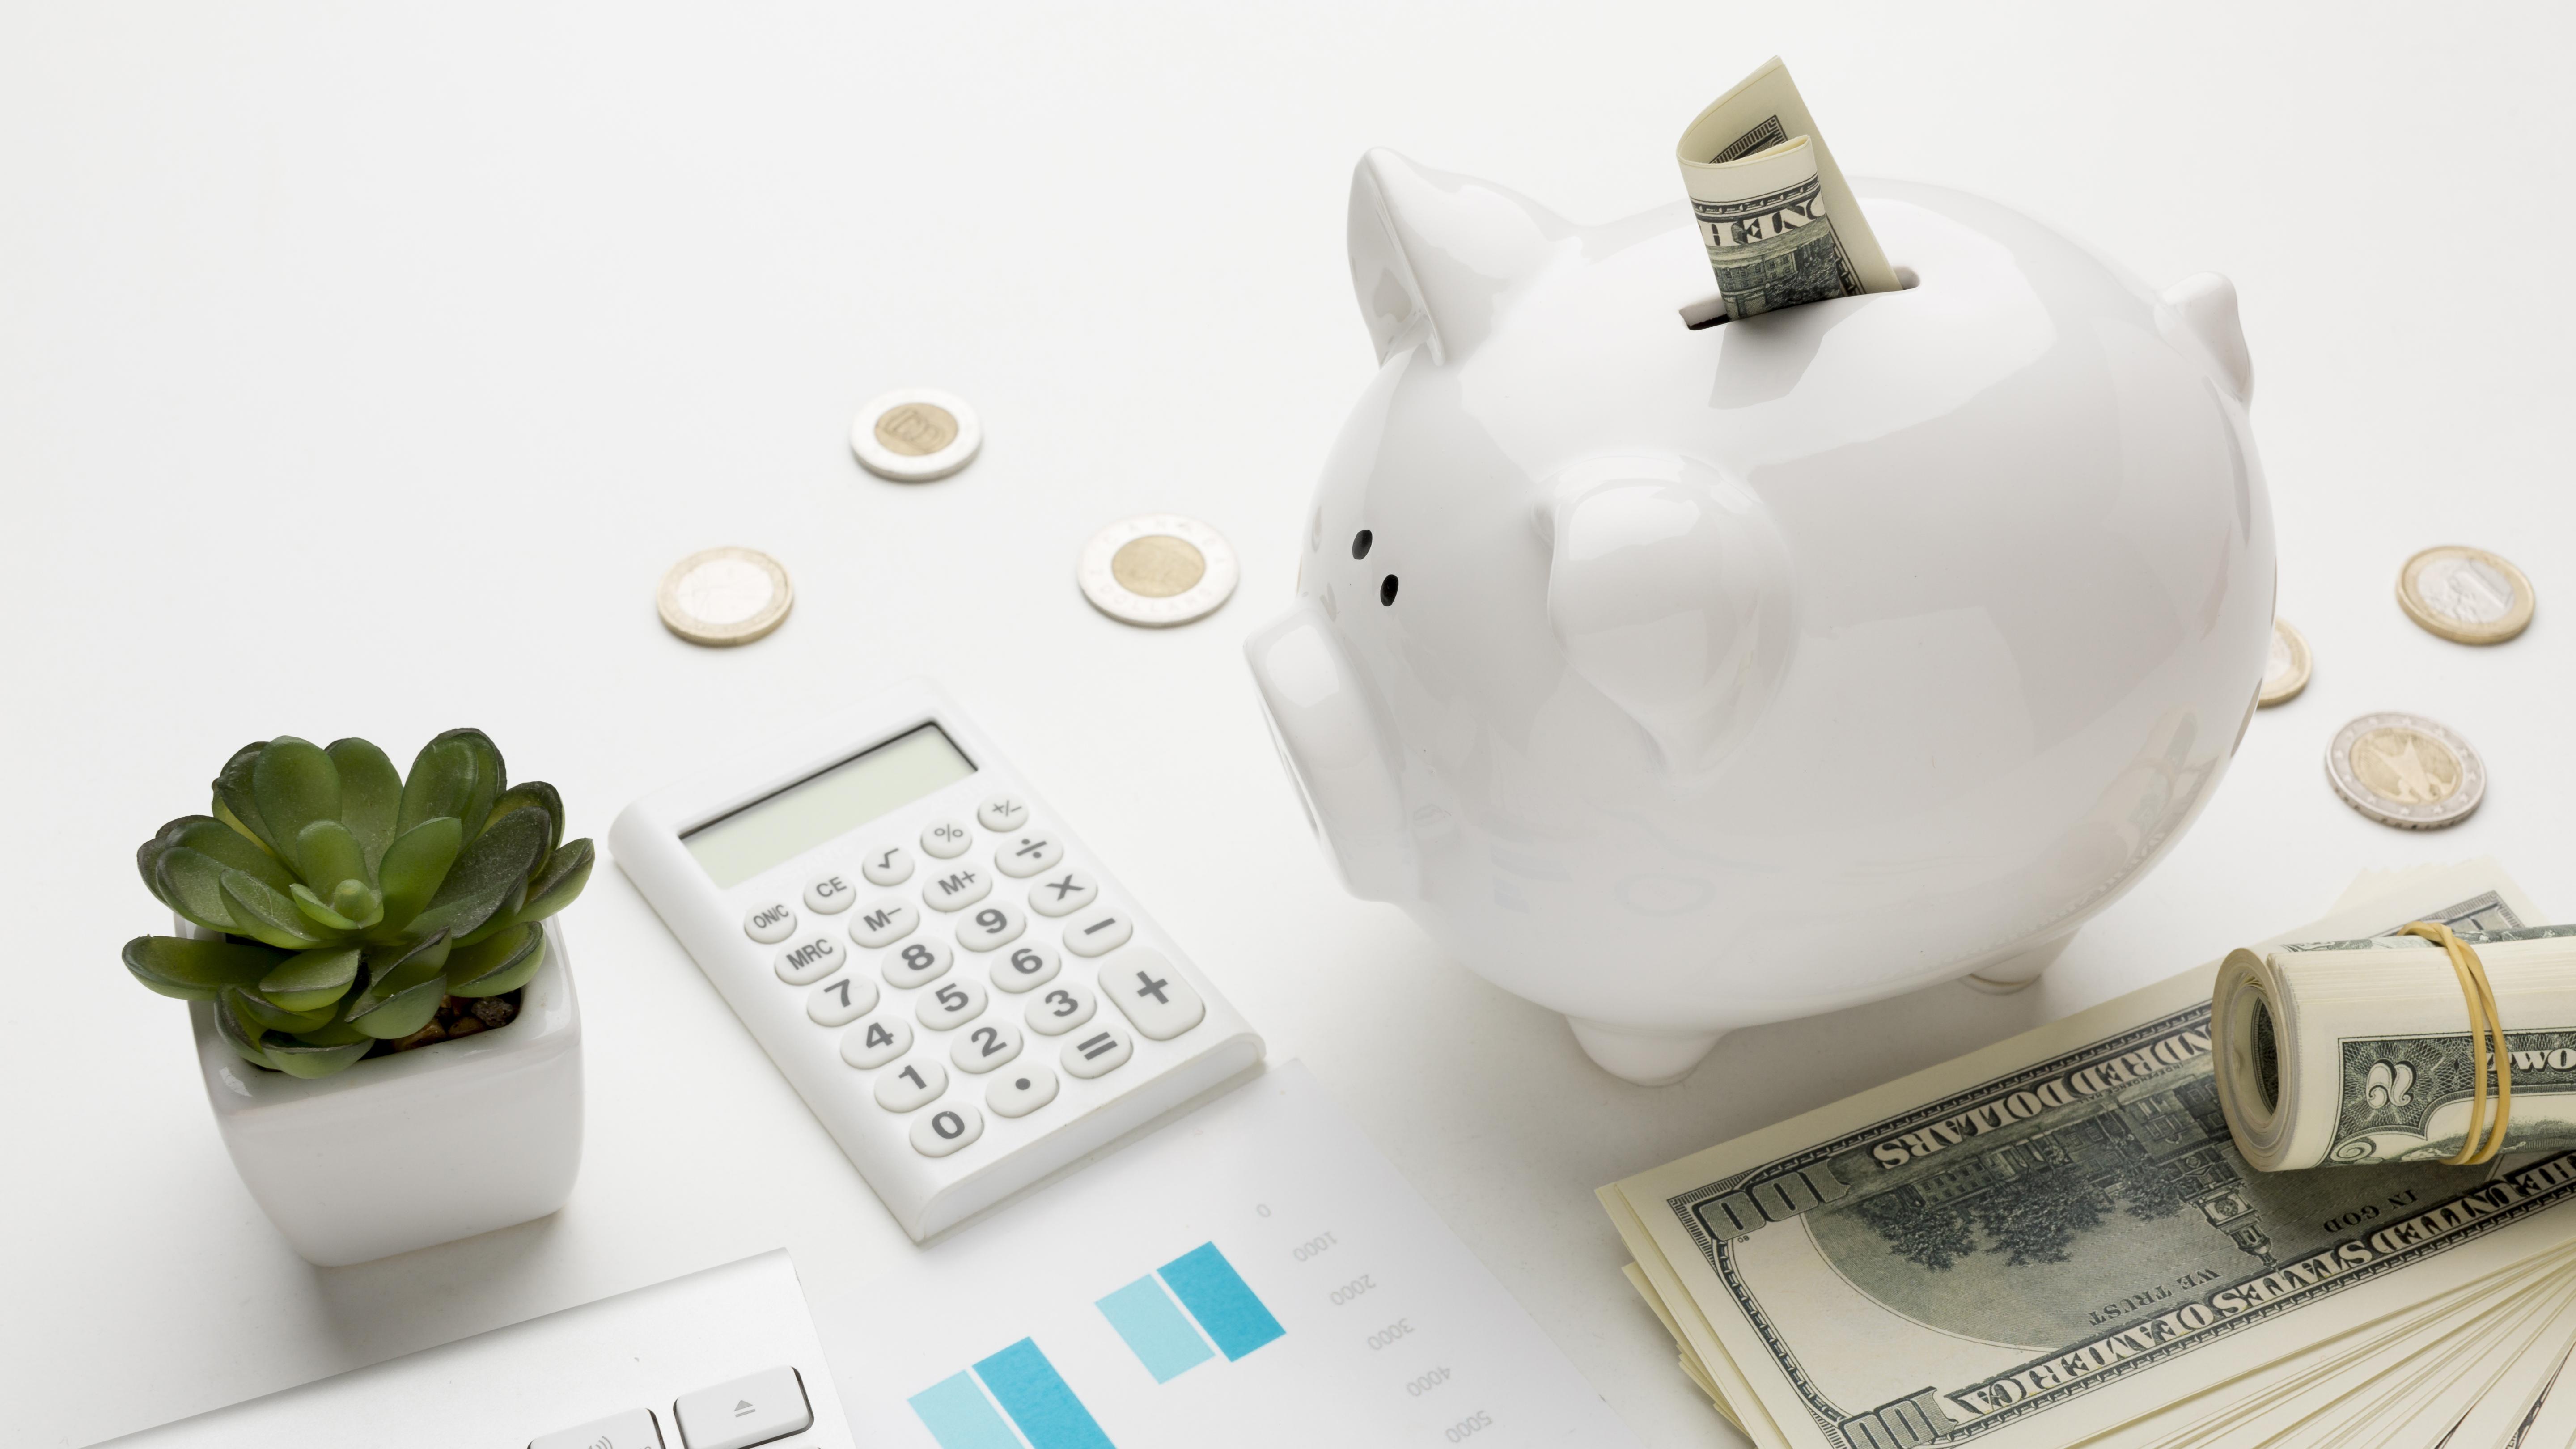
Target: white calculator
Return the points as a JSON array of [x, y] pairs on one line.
[[958, 989]]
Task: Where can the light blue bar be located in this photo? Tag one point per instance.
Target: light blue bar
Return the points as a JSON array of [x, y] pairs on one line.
[[960, 1417], [1038, 1400], [1152, 1324], [1220, 1300]]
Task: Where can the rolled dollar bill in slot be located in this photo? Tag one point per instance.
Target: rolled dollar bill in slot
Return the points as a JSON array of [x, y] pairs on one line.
[[1779, 222], [2367, 1051]]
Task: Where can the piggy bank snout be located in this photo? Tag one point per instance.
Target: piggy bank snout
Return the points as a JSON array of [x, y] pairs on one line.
[[1336, 752]]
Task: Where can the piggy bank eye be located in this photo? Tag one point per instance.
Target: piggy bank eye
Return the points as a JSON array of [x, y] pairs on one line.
[[1386, 591], [1360, 544]]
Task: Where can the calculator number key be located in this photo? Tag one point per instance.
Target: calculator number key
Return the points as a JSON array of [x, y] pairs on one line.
[[888, 865], [952, 1003], [1030, 965], [829, 895], [1151, 994], [841, 1000], [1098, 1054], [916, 962], [1020, 1091], [1063, 893], [936, 1134], [1002, 812], [1025, 855], [878, 1042], [957, 889], [993, 925], [980, 1049], [1098, 933], [771, 923], [807, 962], [883, 923], [912, 1084], [946, 839], [1061, 1008]]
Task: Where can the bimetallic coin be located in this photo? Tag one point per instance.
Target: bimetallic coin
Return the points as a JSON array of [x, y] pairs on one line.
[[2286, 672], [724, 596], [1157, 570], [916, 435], [2466, 595], [2406, 770]]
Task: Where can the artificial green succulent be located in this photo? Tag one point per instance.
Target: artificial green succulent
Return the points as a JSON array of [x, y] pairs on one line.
[[351, 902]]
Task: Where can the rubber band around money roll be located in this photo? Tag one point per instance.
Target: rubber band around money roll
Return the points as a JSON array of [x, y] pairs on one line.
[[2486, 1045]]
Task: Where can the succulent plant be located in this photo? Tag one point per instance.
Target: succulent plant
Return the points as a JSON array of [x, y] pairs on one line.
[[350, 902]]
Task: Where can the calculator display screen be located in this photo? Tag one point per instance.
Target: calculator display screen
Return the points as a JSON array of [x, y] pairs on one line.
[[786, 824]]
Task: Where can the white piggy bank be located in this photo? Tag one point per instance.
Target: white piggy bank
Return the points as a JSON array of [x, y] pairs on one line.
[[1680, 680]]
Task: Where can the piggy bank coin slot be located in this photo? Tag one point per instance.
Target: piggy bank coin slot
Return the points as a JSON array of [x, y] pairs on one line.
[[1709, 311]]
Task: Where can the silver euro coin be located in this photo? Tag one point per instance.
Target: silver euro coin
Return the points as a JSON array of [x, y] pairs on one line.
[[2285, 672], [1157, 570], [724, 596], [916, 434], [2466, 595], [2406, 770]]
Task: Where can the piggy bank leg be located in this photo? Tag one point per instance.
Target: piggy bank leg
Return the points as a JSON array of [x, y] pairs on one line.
[[1639, 1057], [2011, 974]]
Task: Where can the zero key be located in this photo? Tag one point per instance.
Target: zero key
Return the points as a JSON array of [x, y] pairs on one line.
[[1151, 994]]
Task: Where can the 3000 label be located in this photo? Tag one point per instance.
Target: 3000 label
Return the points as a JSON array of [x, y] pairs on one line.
[[1390, 1333]]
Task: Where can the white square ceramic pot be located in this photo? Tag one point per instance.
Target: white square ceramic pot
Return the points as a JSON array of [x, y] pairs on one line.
[[421, 1147]]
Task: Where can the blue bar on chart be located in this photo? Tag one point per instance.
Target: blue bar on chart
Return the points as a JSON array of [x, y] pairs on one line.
[[1026, 1386], [1216, 1295], [1039, 1400], [1163, 1340]]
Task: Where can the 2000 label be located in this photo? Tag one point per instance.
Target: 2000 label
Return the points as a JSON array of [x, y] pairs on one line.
[[1352, 1289]]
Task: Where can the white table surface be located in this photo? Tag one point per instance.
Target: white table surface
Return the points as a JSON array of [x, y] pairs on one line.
[[362, 368]]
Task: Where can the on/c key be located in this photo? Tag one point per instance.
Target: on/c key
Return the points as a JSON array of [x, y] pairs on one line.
[[754, 1410]]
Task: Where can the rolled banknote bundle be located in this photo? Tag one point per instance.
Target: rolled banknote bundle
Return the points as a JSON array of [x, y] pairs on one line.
[[1779, 222], [2384, 1050]]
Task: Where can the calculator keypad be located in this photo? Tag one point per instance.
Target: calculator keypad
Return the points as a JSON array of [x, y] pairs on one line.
[[1022, 908]]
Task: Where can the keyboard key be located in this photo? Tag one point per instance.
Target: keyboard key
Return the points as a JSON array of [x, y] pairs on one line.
[[993, 925], [807, 962], [1151, 994], [918, 963], [1098, 1054], [946, 839], [1097, 934], [957, 889], [1063, 893], [936, 1134], [767, 1405], [1020, 1091], [884, 923], [634, 1429], [1030, 965], [1061, 1009], [952, 1003], [908, 1086], [841, 1000], [981, 1049], [1002, 812], [1026, 854], [770, 924], [888, 865], [829, 895], [877, 1043]]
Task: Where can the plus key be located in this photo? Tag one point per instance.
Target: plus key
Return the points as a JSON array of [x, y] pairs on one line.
[[1151, 994]]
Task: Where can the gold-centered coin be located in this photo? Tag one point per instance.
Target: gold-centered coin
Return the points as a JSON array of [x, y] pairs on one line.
[[2406, 770], [916, 434], [2466, 595], [2285, 673], [1157, 571], [916, 429], [1157, 566], [724, 596]]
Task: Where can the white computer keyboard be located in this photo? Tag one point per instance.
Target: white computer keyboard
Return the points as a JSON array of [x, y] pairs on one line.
[[723, 1359], [954, 984]]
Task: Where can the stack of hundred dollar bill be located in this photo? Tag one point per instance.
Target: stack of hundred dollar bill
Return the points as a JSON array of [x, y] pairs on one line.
[[2055, 1241]]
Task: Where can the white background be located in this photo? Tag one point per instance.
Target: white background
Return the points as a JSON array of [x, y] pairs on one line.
[[362, 368]]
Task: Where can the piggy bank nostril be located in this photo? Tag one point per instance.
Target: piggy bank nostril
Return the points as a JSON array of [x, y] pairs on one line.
[[1360, 543], [1386, 591]]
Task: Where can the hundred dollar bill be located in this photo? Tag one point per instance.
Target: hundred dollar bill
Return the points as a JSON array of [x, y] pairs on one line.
[[1780, 224], [2053, 1238], [2359, 1051]]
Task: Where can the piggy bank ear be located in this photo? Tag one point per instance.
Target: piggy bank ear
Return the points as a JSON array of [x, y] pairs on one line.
[[1431, 253], [1670, 590]]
